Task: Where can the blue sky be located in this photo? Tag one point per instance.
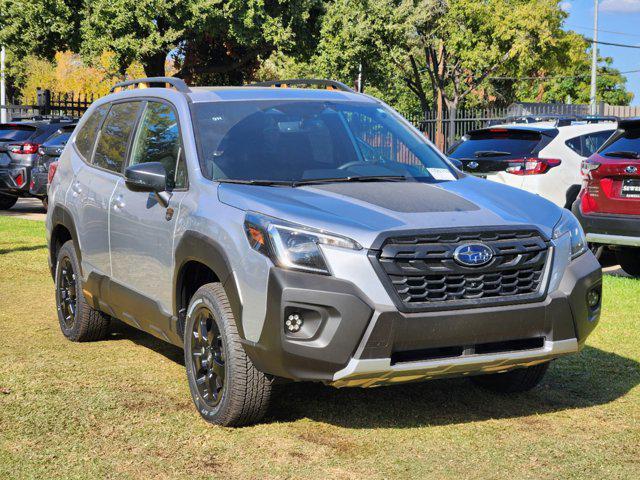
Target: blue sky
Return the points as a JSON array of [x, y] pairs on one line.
[[620, 16]]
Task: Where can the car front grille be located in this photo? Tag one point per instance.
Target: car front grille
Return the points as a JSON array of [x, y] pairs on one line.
[[421, 272]]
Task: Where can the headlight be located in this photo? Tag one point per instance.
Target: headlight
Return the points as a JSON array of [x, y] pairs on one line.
[[292, 246], [569, 225]]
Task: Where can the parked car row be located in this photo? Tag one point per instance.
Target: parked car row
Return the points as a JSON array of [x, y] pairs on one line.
[[27, 150], [591, 166]]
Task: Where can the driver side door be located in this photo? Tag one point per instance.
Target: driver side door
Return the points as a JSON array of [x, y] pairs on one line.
[[142, 229]]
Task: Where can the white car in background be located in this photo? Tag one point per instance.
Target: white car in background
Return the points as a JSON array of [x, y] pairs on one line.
[[541, 157]]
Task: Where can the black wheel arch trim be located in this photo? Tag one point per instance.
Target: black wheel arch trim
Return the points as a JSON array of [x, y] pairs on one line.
[[195, 246], [61, 216]]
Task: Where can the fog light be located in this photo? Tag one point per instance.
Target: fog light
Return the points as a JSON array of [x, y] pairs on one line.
[[294, 323], [593, 298]]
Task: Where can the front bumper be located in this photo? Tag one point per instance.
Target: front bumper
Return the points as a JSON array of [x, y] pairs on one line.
[[609, 229], [346, 341]]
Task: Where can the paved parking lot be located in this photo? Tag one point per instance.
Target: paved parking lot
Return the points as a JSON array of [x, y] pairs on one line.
[[29, 208]]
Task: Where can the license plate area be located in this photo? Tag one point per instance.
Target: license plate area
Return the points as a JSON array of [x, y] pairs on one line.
[[630, 188]]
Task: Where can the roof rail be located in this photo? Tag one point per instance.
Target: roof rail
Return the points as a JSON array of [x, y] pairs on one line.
[[175, 82], [598, 118], [330, 84]]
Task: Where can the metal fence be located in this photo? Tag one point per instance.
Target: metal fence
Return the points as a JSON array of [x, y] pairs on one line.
[[48, 104], [462, 121]]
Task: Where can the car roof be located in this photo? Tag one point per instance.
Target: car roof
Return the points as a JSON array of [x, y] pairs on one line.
[[212, 94], [579, 126]]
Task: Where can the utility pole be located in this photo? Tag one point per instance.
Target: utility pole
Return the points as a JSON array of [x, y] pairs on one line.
[[594, 58], [360, 79], [3, 96]]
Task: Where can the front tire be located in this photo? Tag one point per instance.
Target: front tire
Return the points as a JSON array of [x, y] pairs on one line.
[[513, 381], [629, 259], [79, 322], [225, 386], [7, 201]]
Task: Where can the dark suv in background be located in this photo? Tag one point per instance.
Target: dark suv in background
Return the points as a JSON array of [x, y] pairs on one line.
[[48, 154], [19, 144]]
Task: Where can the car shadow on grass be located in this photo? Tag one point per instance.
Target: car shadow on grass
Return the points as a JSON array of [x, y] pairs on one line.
[[22, 248], [592, 377]]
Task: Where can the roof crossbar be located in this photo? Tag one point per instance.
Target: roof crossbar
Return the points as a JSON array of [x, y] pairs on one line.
[[174, 82], [329, 84]]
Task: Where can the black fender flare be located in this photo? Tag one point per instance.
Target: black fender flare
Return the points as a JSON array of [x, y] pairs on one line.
[[195, 246], [62, 216]]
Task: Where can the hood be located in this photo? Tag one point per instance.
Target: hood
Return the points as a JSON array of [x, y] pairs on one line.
[[364, 210]]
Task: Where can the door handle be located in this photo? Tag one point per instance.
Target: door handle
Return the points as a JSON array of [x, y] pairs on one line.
[[76, 188], [118, 203]]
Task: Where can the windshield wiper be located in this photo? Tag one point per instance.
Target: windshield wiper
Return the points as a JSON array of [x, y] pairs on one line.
[[491, 153], [254, 182], [623, 154], [361, 178]]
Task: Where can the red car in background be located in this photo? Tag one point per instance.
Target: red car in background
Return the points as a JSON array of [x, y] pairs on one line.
[[608, 205]]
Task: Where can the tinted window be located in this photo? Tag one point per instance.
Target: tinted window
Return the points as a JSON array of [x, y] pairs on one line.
[[510, 144], [586, 145], [628, 141], [158, 140], [87, 135], [114, 136], [297, 140], [14, 132]]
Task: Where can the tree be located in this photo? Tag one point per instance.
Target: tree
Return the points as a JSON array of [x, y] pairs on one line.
[[135, 30], [40, 27]]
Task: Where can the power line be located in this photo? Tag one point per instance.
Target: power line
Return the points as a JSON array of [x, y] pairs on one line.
[[604, 31], [625, 45], [565, 77]]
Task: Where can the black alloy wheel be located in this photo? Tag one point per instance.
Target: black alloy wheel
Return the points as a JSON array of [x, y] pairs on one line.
[[67, 298], [208, 357]]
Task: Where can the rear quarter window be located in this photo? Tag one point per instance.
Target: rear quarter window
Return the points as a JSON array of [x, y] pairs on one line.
[[511, 143], [87, 134]]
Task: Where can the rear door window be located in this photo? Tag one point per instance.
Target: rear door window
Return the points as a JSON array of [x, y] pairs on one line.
[[87, 134], [15, 132], [158, 140], [113, 141], [501, 143]]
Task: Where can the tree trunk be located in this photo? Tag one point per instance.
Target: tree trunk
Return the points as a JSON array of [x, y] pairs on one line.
[[440, 142], [154, 64]]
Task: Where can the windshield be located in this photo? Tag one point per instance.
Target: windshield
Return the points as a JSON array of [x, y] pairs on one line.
[[628, 141], [294, 141], [15, 132]]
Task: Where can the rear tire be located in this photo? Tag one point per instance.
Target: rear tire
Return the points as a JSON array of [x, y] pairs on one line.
[[78, 321], [7, 201], [629, 259], [513, 381], [226, 387]]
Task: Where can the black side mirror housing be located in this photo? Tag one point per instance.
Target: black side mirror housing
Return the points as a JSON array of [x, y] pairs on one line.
[[148, 177]]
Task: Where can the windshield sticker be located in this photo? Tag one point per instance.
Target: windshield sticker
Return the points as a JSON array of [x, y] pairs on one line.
[[441, 174]]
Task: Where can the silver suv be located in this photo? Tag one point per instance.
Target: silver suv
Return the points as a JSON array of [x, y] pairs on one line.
[[306, 234]]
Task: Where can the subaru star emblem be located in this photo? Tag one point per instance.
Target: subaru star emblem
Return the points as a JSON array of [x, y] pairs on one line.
[[473, 254], [473, 165], [631, 169]]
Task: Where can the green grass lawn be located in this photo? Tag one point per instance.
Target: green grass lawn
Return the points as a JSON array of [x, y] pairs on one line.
[[121, 408]]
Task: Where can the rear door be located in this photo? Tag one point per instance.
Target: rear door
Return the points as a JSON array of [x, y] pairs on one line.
[[142, 230], [93, 186]]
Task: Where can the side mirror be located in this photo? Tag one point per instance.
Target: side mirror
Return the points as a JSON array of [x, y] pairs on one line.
[[148, 177]]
